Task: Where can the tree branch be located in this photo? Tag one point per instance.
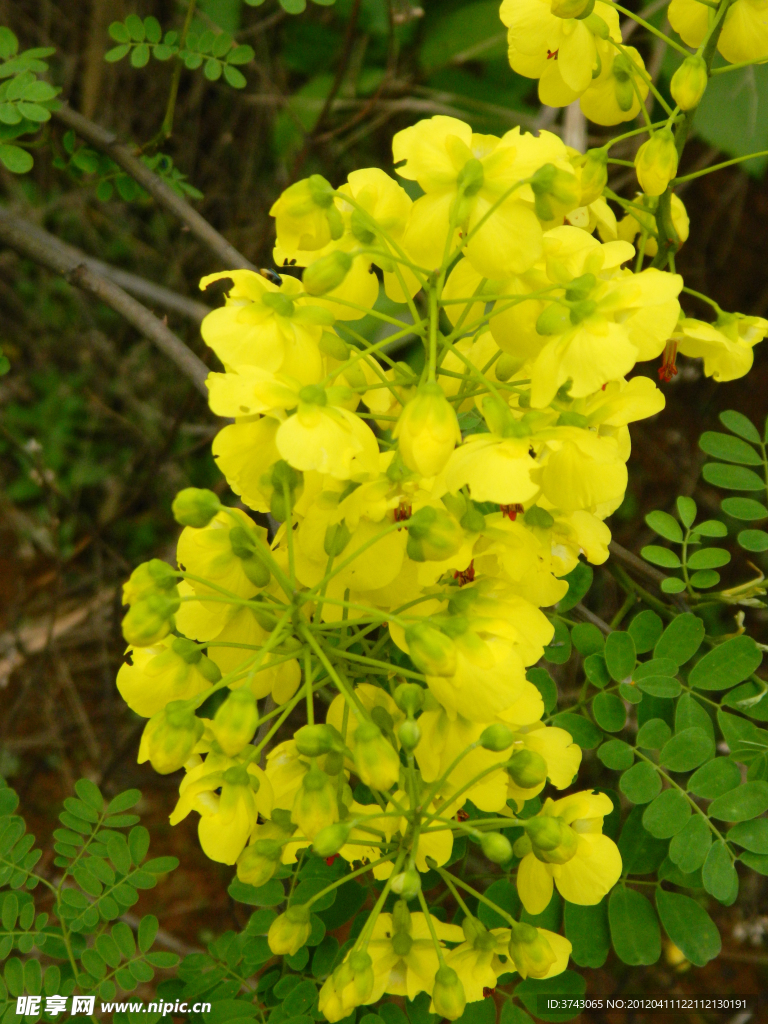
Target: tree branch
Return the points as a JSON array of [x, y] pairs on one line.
[[124, 156], [49, 252]]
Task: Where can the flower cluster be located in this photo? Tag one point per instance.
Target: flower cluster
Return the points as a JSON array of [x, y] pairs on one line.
[[426, 510]]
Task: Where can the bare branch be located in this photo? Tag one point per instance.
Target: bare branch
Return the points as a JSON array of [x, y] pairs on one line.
[[40, 247], [125, 157]]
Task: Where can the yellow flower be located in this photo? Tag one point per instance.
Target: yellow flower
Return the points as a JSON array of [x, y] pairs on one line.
[[726, 346], [584, 472], [656, 162], [561, 758], [289, 932], [172, 669], [349, 986], [495, 468], [538, 952], [463, 176], [281, 680], [405, 962], [427, 431], [615, 95], [564, 846], [636, 221], [328, 439], [305, 215], [560, 51], [476, 960], [744, 36], [315, 806]]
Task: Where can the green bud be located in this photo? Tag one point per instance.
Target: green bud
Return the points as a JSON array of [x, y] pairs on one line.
[[596, 25], [656, 162], [496, 847], [572, 419], [530, 951], [376, 761], [409, 735], [320, 190], [149, 578], [316, 740], [536, 516], [473, 520], [195, 507], [290, 931], [259, 861], [337, 536], [431, 651], [580, 288], [359, 225], [313, 394], [169, 737], [235, 722], [507, 365], [330, 839], [527, 769], [401, 917], [209, 669], [256, 571], [280, 302], [149, 619], [186, 649], [407, 884], [448, 994], [497, 737], [433, 535], [581, 310], [332, 345], [402, 943], [327, 273], [409, 697], [553, 842], [572, 8], [555, 319], [689, 82]]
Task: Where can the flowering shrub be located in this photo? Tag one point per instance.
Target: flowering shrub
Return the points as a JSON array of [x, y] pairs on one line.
[[402, 525]]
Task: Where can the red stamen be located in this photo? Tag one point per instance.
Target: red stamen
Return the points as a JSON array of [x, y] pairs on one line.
[[488, 992], [329, 860], [668, 369], [462, 815], [552, 54], [466, 576], [402, 512], [511, 511], [604, 386]]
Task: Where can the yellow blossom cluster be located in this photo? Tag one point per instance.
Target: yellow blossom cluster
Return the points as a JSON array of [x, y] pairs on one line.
[[424, 511]]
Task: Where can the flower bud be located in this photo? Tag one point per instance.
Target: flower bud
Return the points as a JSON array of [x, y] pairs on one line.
[[290, 931], [316, 740], [401, 918], [594, 175], [572, 8], [555, 319], [409, 735], [552, 841], [656, 162], [332, 345], [149, 578], [527, 768], [448, 998], [427, 431], [407, 884], [530, 951], [245, 548], [314, 806], [473, 520], [327, 273], [258, 862], [497, 737], [496, 847], [376, 762], [305, 215], [169, 737], [431, 651], [622, 82], [329, 840], [195, 506], [433, 535], [689, 82], [409, 697], [337, 537], [235, 722], [149, 619], [555, 192]]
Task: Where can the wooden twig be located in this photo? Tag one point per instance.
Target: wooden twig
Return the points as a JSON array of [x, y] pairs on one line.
[[14, 231], [125, 157]]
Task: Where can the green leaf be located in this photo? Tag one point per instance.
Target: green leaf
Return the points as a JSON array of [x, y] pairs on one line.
[[221, 44], [117, 53], [629, 692], [645, 629], [689, 848], [119, 854], [752, 835], [729, 449], [687, 749], [119, 32], [152, 30], [616, 754], [709, 558], [686, 509], [90, 794], [620, 655], [688, 712], [9, 44], [746, 801], [293, 6], [659, 686], [584, 732], [660, 556], [744, 508], [569, 984], [148, 927], [641, 783], [596, 671], [579, 580], [753, 540], [269, 895], [588, 932], [665, 816], [735, 478], [138, 843], [681, 639], [15, 159], [672, 586], [665, 525], [546, 686], [704, 578], [223, 1010], [653, 734], [714, 527], [727, 664], [737, 423], [212, 69], [609, 711], [234, 77], [587, 638], [504, 895], [689, 926], [635, 932], [135, 27], [140, 56], [715, 779], [718, 873], [240, 55], [558, 650]]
